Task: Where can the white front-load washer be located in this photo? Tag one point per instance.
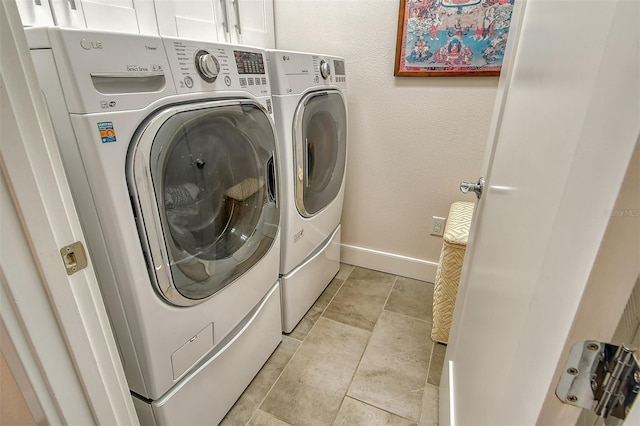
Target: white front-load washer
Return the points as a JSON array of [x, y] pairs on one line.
[[170, 150], [310, 107]]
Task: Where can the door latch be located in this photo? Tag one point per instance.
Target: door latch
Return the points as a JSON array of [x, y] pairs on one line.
[[74, 257], [601, 377], [475, 187]]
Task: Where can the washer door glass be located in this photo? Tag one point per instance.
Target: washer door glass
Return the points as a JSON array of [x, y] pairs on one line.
[[320, 150], [212, 174]]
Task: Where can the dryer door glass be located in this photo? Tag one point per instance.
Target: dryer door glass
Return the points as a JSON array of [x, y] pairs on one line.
[[213, 179], [320, 150]]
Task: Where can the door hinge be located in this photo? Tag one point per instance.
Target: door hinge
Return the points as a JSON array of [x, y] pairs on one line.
[[74, 257], [601, 377]]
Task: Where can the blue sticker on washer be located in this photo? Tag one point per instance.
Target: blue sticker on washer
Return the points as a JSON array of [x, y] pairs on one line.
[[107, 132]]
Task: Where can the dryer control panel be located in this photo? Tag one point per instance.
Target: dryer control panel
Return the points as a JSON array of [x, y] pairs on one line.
[[295, 72], [203, 67]]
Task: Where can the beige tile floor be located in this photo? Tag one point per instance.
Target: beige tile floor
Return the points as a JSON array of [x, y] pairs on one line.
[[362, 355]]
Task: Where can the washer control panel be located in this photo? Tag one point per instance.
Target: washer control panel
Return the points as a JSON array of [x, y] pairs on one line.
[[200, 67]]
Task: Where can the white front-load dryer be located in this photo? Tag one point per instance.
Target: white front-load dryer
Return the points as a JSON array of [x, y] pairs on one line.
[[170, 150], [310, 107]]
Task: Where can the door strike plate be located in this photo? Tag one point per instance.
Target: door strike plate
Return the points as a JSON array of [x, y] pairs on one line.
[[601, 377], [74, 257]]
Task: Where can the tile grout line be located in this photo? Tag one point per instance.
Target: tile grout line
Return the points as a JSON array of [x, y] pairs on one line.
[[272, 385], [426, 381], [294, 354], [365, 348], [412, 317], [382, 409]]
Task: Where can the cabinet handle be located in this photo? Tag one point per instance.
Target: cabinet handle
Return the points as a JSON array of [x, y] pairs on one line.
[[72, 4], [225, 24], [238, 24], [38, 2]]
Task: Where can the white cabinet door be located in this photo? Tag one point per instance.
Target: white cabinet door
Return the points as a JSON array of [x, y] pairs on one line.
[[229, 21], [194, 19], [251, 22], [133, 16], [35, 12]]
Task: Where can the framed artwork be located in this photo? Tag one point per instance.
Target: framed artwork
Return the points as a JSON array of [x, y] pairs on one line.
[[452, 37]]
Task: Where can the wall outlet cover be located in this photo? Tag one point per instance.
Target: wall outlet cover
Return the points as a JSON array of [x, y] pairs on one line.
[[438, 226]]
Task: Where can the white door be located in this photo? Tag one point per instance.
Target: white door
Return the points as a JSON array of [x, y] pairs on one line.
[[564, 129], [132, 16], [54, 329]]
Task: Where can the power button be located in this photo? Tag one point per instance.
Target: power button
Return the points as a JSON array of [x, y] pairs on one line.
[[227, 80]]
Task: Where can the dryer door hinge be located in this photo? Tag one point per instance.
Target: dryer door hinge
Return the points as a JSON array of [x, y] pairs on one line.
[[601, 377]]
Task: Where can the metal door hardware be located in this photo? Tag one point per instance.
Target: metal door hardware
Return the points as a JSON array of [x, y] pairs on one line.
[[74, 257], [601, 377], [475, 187]]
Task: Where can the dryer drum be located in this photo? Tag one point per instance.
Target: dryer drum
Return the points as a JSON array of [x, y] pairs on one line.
[[322, 153], [320, 150]]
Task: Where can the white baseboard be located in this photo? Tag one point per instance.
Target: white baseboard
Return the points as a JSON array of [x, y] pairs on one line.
[[388, 262]]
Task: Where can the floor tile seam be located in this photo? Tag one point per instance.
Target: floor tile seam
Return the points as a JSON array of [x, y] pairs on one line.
[[395, 280], [429, 364], [409, 316], [266, 395], [422, 401], [307, 335], [382, 409], [426, 383], [255, 412], [321, 313], [347, 277], [346, 392], [332, 297], [341, 403], [348, 325], [300, 345], [365, 347]]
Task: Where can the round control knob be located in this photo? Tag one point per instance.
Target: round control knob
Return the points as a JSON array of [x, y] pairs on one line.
[[325, 69], [207, 66]]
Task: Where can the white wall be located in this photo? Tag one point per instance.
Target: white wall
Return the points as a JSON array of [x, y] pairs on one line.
[[411, 139]]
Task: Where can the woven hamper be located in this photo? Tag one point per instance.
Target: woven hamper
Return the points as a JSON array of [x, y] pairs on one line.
[[456, 234]]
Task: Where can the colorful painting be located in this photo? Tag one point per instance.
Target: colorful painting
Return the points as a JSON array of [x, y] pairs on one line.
[[452, 37]]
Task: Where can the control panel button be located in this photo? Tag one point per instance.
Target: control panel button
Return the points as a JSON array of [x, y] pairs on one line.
[[188, 81]]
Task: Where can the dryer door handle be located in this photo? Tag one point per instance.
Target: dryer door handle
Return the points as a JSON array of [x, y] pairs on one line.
[[272, 181], [308, 162]]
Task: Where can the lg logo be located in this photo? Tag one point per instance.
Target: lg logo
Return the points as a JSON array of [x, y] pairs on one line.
[[88, 44]]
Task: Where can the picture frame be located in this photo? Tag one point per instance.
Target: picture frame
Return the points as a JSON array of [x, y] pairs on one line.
[[451, 38]]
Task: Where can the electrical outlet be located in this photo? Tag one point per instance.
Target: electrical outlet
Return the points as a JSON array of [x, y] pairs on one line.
[[438, 226]]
